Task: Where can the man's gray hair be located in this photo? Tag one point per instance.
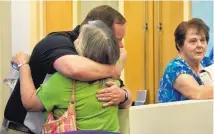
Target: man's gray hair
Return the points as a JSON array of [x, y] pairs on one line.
[[99, 43]]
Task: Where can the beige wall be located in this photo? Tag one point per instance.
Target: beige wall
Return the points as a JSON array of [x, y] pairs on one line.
[[5, 51], [85, 6]]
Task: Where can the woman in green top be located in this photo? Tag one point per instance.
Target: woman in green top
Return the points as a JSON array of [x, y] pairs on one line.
[[97, 42]]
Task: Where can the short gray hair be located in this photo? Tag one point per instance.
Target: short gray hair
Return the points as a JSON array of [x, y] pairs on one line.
[[99, 43]]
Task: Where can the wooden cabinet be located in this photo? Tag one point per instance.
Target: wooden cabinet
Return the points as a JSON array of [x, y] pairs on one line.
[[149, 50]]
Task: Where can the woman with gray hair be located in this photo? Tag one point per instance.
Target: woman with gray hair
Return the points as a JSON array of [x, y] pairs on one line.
[[97, 42]]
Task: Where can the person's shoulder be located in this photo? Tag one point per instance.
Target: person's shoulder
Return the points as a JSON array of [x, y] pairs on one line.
[[175, 63], [54, 40], [57, 78], [58, 36], [176, 66], [206, 61], [68, 35], [58, 39], [74, 33]]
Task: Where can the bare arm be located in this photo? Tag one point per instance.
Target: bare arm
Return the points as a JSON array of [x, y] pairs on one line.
[[83, 69], [27, 89], [188, 86]]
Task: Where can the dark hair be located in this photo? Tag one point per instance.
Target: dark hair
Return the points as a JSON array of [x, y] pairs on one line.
[[183, 27], [106, 14], [97, 42]]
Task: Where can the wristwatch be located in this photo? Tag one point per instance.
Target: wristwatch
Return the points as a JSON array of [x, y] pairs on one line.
[[126, 96], [15, 66]]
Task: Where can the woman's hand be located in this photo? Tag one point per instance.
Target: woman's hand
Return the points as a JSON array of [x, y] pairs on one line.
[[20, 58]]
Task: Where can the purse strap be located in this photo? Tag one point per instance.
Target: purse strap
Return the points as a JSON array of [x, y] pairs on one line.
[[72, 100], [71, 106]]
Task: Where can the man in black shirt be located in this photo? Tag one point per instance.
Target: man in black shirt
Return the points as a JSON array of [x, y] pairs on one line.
[[56, 52]]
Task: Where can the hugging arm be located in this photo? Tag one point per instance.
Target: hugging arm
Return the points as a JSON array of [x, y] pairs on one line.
[[27, 88], [84, 69], [58, 53]]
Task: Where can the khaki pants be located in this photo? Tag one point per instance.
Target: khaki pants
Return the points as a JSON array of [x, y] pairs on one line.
[[3, 130]]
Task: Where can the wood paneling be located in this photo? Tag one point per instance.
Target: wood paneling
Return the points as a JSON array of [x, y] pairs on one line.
[[58, 16], [170, 15], [133, 12]]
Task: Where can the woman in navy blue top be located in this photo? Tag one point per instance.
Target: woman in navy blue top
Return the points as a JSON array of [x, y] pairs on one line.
[[181, 79]]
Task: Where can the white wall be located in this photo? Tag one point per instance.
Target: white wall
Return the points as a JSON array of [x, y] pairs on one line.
[[20, 17]]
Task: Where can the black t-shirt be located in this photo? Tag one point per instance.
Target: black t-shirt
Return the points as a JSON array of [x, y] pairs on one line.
[[44, 54]]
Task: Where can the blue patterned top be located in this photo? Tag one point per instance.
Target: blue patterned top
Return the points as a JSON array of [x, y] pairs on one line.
[[177, 66]]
